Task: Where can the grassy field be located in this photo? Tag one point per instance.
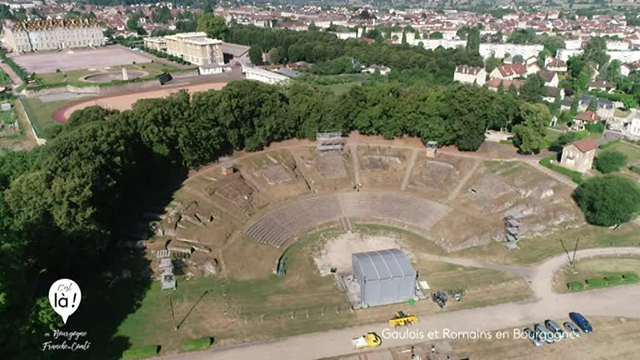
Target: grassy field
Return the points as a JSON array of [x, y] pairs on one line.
[[5, 80], [73, 77], [41, 112], [631, 151], [538, 249], [612, 339], [595, 269], [550, 137]]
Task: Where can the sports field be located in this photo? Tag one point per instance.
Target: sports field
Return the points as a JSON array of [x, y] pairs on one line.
[[125, 101], [49, 62]]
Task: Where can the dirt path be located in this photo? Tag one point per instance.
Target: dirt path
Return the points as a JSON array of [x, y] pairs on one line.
[[617, 301], [462, 182], [355, 162], [407, 174]]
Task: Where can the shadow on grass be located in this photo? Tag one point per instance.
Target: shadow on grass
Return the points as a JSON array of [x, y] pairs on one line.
[[107, 301]]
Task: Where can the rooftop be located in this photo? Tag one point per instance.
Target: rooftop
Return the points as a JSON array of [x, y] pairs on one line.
[[384, 264], [585, 145]]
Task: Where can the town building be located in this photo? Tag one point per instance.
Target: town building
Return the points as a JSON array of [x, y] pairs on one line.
[[550, 78], [509, 72], [37, 35], [584, 118], [500, 51], [602, 86], [470, 75], [579, 155], [194, 47], [265, 76], [633, 128], [494, 84], [556, 65]]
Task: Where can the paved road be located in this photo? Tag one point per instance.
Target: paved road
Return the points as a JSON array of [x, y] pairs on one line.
[[619, 301]]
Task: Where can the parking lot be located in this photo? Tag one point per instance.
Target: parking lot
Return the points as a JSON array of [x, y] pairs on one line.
[[597, 345], [78, 59]]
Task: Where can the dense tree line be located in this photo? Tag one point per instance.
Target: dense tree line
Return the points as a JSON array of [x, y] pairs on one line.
[[326, 50]]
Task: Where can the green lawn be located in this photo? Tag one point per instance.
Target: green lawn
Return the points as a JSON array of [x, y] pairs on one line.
[[5, 80], [7, 117], [551, 136], [73, 77], [631, 151], [41, 114]]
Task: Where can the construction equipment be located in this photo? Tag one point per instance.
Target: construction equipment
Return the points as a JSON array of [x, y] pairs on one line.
[[370, 340], [401, 319]]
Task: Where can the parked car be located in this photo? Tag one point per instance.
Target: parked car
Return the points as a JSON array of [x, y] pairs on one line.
[[572, 329], [532, 336], [581, 321], [543, 334], [555, 329]]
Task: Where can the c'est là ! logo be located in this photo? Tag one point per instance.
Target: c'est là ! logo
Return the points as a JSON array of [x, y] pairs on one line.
[[65, 296]]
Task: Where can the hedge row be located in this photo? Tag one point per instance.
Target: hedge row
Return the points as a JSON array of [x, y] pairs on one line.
[[15, 67], [597, 283], [164, 55], [151, 351], [197, 344], [141, 353]]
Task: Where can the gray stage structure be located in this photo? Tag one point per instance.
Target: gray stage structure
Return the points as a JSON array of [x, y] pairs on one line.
[[384, 276]]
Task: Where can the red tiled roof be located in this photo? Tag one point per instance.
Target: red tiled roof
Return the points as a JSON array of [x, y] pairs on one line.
[[588, 116], [512, 70], [585, 145]]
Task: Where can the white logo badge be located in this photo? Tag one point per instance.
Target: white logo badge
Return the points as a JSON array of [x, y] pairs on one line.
[[64, 296]]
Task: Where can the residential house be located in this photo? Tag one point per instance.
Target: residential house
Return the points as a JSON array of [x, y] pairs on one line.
[[584, 118], [550, 78], [556, 65], [213, 68], [579, 155], [509, 72], [605, 110], [494, 84], [382, 70], [551, 93], [633, 128], [470, 75], [625, 69], [533, 68], [602, 86]]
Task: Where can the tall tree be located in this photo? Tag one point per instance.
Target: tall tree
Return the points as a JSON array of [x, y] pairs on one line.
[[255, 55], [473, 40], [530, 133], [215, 26]]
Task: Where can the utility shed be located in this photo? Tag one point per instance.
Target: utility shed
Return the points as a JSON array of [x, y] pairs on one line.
[[384, 276]]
